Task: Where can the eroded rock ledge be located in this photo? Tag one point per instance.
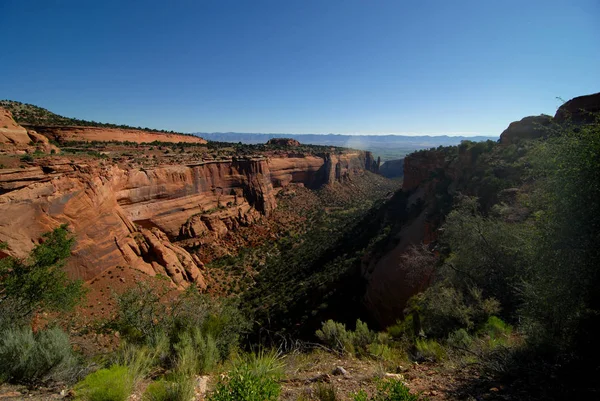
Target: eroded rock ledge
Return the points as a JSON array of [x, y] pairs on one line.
[[131, 216]]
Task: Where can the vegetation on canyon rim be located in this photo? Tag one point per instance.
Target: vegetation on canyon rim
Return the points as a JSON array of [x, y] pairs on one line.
[[512, 279]]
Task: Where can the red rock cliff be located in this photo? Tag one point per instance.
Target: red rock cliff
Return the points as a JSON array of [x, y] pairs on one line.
[[129, 217]]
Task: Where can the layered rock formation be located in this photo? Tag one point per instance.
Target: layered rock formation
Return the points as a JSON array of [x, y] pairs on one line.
[[132, 216], [14, 137], [102, 134]]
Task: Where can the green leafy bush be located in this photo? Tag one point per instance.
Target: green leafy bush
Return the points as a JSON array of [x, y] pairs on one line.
[[112, 384], [27, 357], [444, 308], [335, 336], [362, 336]]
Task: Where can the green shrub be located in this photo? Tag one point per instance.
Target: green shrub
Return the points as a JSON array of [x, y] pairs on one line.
[[253, 378], [443, 308], [430, 349], [138, 359], [335, 336], [389, 390], [112, 384], [208, 352], [359, 341], [496, 328], [380, 351], [402, 328], [178, 388], [460, 339], [146, 315], [38, 283], [362, 337], [26, 357]]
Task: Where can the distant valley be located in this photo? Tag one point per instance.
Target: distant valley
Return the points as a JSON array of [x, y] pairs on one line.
[[388, 147]]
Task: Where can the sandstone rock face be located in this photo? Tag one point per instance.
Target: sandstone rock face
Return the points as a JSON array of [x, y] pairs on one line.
[[15, 137], [133, 216], [314, 171], [527, 128], [11, 132], [169, 196], [579, 110], [101, 134], [38, 199]]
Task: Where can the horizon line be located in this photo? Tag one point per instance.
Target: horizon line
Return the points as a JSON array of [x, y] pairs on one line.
[[404, 134]]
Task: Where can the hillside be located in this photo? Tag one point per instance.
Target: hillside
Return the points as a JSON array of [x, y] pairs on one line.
[[64, 129], [29, 114]]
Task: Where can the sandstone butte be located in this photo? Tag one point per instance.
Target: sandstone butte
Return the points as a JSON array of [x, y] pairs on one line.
[[132, 216]]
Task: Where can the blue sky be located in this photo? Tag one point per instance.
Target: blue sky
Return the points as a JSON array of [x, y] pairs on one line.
[[424, 67]]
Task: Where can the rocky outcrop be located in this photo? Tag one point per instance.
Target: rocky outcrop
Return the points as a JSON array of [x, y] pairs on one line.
[[527, 128], [419, 167], [579, 110], [134, 216], [283, 142], [11, 132], [316, 171], [102, 134], [14, 137], [167, 197], [39, 199]]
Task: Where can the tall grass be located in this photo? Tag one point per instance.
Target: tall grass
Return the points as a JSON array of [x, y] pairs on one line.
[[178, 387], [252, 378], [112, 384]]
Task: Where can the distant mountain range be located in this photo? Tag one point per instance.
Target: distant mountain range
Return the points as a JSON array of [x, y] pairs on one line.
[[388, 147]]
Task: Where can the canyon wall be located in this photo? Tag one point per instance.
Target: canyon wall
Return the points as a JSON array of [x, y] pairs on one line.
[[103, 134], [134, 216]]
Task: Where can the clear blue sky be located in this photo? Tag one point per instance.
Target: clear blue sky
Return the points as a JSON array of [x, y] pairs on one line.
[[427, 67]]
